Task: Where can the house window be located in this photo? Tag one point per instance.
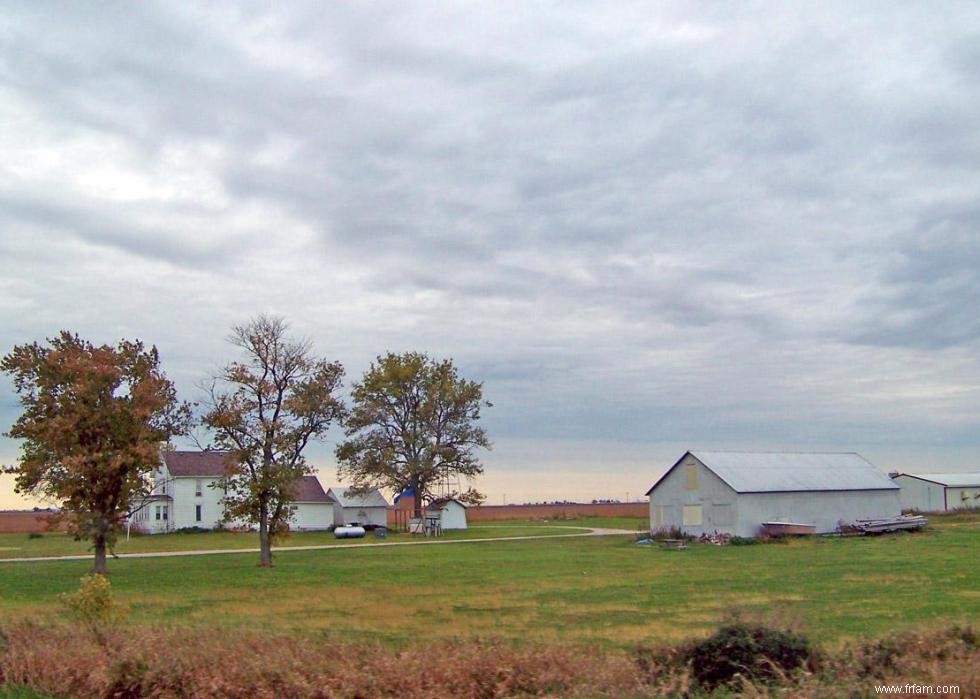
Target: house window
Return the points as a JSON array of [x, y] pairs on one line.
[[692, 516], [158, 513], [197, 513], [165, 509], [692, 476], [198, 484]]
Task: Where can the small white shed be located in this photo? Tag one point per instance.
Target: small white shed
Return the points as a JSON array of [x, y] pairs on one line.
[[736, 492], [938, 492], [312, 509], [368, 509], [451, 513]]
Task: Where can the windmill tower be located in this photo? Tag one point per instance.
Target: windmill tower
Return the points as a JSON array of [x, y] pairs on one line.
[[448, 485]]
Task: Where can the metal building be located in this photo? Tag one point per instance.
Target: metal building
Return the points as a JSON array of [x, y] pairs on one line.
[[736, 492], [368, 509], [938, 492]]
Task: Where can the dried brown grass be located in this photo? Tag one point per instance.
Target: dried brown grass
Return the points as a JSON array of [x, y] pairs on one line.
[[132, 661]]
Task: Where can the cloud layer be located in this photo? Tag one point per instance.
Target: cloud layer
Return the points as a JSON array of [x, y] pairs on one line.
[[749, 226]]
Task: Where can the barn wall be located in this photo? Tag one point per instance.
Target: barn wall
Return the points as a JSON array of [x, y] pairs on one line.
[[920, 495], [825, 510], [718, 503], [963, 498]]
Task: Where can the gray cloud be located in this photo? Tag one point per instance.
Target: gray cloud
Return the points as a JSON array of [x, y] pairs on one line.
[[745, 225]]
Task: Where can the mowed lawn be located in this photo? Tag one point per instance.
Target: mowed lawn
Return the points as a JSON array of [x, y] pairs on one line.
[[598, 589], [58, 544]]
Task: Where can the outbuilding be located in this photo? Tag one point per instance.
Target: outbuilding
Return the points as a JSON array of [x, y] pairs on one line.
[[450, 511], [736, 492], [938, 492], [368, 509], [312, 509]]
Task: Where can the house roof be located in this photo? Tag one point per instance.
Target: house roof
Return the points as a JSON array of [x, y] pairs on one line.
[[196, 463], [950, 480], [308, 489], [440, 503], [372, 498], [780, 472]]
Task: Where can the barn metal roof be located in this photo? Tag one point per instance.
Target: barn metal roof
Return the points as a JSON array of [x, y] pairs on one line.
[[372, 498], [950, 480], [774, 472]]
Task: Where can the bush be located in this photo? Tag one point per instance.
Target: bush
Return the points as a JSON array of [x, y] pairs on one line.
[[742, 541], [751, 651], [35, 535], [668, 533], [93, 605]]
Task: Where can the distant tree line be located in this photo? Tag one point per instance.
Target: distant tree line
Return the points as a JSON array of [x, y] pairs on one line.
[[94, 416]]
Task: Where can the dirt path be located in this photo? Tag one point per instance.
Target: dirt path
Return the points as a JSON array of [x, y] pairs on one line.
[[592, 531]]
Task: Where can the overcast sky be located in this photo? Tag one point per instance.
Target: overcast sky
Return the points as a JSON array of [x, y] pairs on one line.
[[645, 228]]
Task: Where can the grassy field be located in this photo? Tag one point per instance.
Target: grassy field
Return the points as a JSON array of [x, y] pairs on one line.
[[57, 544], [603, 589]]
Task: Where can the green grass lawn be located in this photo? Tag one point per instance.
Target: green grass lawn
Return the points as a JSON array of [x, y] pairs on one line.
[[603, 588], [56, 544]]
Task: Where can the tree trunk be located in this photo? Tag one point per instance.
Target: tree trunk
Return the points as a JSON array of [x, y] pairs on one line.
[[416, 500], [265, 547], [100, 567]]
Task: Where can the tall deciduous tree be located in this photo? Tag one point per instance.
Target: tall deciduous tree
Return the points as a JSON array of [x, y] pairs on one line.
[[93, 422], [413, 422], [265, 410]]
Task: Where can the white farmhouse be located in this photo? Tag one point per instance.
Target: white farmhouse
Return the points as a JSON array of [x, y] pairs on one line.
[[938, 492], [450, 511], [735, 492], [184, 495], [369, 509]]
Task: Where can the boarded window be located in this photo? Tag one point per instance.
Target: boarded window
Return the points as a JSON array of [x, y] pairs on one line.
[[658, 512], [692, 516], [722, 515], [692, 476]]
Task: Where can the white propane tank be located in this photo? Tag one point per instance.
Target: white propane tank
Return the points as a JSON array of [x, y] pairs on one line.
[[349, 531]]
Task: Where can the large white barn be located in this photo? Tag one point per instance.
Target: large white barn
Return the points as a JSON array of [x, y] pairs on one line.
[[735, 492], [937, 492]]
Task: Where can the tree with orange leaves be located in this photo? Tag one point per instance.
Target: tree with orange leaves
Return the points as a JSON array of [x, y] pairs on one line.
[[93, 421]]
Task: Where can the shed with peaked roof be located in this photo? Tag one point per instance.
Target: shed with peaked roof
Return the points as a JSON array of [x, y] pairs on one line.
[[938, 492], [368, 509], [734, 492], [450, 511], [311, 507]]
